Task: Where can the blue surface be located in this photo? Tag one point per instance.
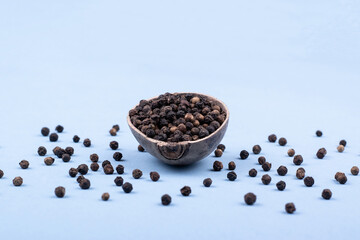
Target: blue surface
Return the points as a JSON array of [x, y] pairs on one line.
[[284, 67]]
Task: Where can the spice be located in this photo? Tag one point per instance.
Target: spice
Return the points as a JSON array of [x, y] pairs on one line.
[[94, 157], [319, 133], [137, 173], [66, 157], [340, 148], [256, 149], [58, 151], [140, 148], [185, 191], [69, 150], [300, 173], [266, 166], [290, 208], [53, 137], [45, 131], [113, 132], [154, 176], [24, 164], [326, 194], [94, 166], [120, 169], [298, 160], [49, 161], [59, 128], [118, 181], [104, 163], [60, 192], [73, 172], [250, 198], [80, 178], [114, 145], [261, 160], [217, 166], [42, 151], [338, 174], [1, 173], [116, 127], [17, 181], [127, 187], [272, 138], [108, 169], [76, 138], [231, 165], [222, 147], [282, 141], [343, 142], [354, 170], [266, 179], [105, 196], [87, 142], [321, 153], [342, 179], [117, 156], [83, 169], [244, 154], [291, 152], [218, 153], [207, 182], [281, 185], [85, 183], [309, 181], [282, 170], [231, 176], [165, 199], [252, 172]]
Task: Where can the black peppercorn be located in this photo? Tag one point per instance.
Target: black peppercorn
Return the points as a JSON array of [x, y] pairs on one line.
[[281, 185], [218, 153], [342, 179], [94, 166], [272, 138], [282, 170], [114, 145], [290, 208], [118, 181], [69, 150], [298, 160], [113, 132], [53, 137], [266, 179], [222, 147], [343, 142], [300, 173], [340, 148], [250, 198], [137, 173], [66, 157], [104, 163], [127, 187], [338, 174], [42, 151], [120, 169], [1, 173], [85, 183], [231, 176], [116, 127], [261, 160], [165, 199], [80, 178], [252, 172], [321, 153], [231, 165], [94, 157], [24, 164], [17, 181], [76, 139], [58, 151], [59, 128], [266, 166], [256, 149], [319, 133], [49, 161], [108, 169], [291, 152], [185, 191], [244, 154], [83, 169], [217, 166], [282, 141], [326, 194], [140, 148], [73, 172], [45, 131], [117, 156], [60, 192], [154, 176], [207, 182], [309, 181], [87, 142], [354, 170], [105, 196]]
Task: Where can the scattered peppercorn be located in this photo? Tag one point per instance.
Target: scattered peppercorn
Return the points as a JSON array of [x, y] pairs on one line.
[[244, 154], [343, 142], [165, 199], [80, 178], [53, 137], [185, 191], [266, 166], [218, 153], [207, 182], [256, 149], [1, 173], [108, 169], [127, 187], [94, 157], [58, 151], [252, 172], [66, 157], [60, 192], [87, 142], [338, 174], [309, 181], [117, 156], [42, 151], [105, 196], [116, 127], [217, 166], [354, 170], [24, 164], [282, 141], [76, 139], [282, 170], [94, 166], [49, 161], [340, 148], [342, 179], [281, 185], [104, 163], [298, 160], [326, 194], [319, 133], [266, 179], [321, 153], [85, 183], [137, 173], [231, 176], [272, 138], [120, 169], [222, 147], [73, 172], [114, 145], [154, 176], [261, 160], [118, 181], [250, 198], [83, 169], [17, 181], [290, 208], [69, 150], [300, 173], [45, 131], [113, 132], [140, 148], [59, 128], [231, 165], [291, 152]]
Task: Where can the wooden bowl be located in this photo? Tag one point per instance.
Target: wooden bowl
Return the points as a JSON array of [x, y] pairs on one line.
[[186, 152]]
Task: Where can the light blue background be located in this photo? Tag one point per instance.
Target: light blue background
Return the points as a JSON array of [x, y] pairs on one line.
[[284, 67]]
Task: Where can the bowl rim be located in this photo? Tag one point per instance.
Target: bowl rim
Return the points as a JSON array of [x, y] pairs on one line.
[[183, 142]]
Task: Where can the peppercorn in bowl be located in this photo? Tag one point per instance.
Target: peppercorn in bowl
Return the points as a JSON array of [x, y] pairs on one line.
[[179, 128]]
